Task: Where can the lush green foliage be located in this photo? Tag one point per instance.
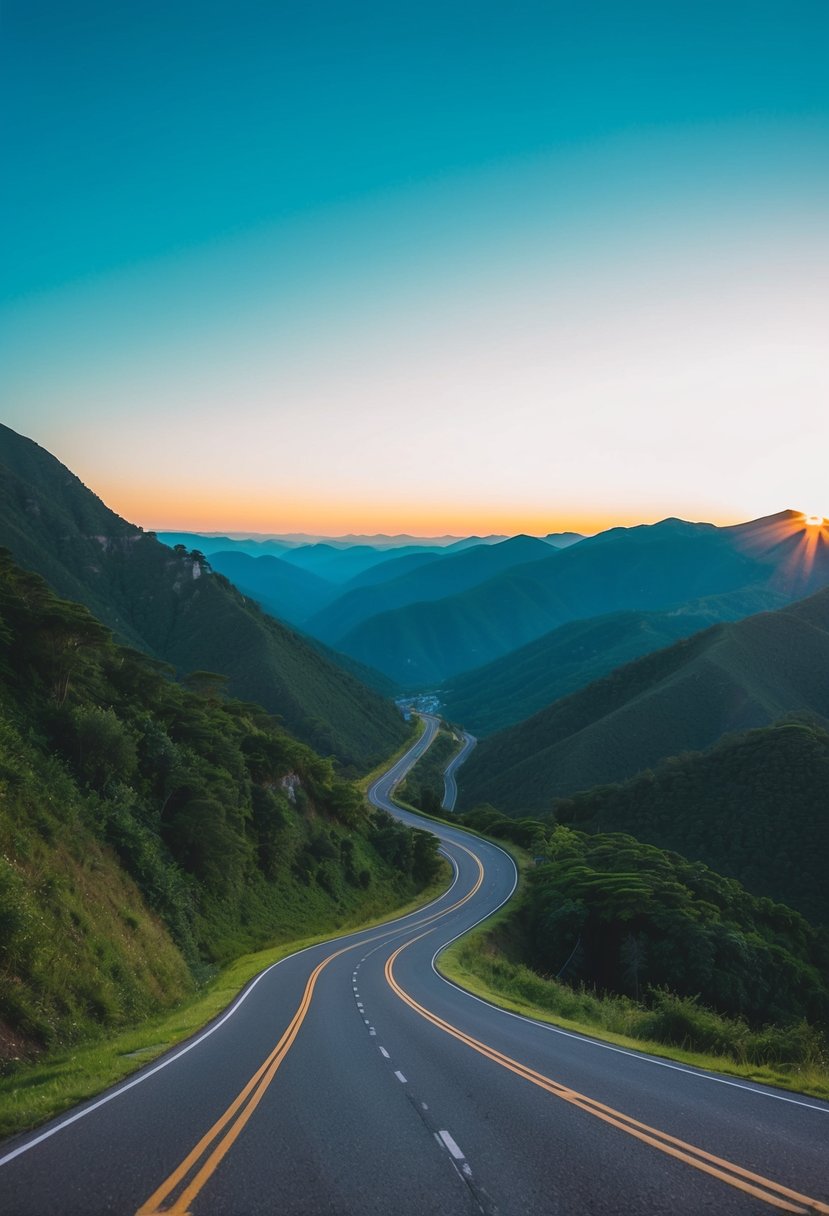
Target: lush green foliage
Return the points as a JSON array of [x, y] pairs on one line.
[[755, 807], [234, 833], [169, 604], [794, 1055], [728, 678], [624, 917], [424, 786]]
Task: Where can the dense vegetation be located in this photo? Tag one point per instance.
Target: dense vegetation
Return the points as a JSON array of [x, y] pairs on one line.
[[664, 566], [755, 807], [168, 603], [728, 678], [623, 917], [148, 830], [424, 786], [521, 683]]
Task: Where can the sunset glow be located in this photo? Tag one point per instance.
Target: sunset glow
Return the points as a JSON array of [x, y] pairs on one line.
[[482, 280]]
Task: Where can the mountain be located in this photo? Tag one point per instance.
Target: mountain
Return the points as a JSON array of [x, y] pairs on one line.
[[447, 575], [147, 829], [563, 540], [731, 677], [514, 687], [644, 569], [392, 568], [168, 604], [753, 808], [338, 565], [208, 545], [279, 587]]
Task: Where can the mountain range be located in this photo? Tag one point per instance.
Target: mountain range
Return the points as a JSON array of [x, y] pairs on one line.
[[659, 567], [169, 604], [729, 678]]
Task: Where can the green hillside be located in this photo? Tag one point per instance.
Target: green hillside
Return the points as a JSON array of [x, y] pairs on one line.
[[755, 807], [728, 678], [148, 831], [447, 574], [168, 603], [516, 686], [661, 567], [671, 943]]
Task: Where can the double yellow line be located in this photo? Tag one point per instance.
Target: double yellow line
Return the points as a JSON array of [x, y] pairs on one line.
[[217, 1142], [773, 1193]]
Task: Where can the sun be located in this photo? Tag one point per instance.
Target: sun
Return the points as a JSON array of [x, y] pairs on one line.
[[814, 521]]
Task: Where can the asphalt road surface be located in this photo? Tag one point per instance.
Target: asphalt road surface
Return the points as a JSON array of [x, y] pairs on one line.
[[450, 785], [351, 1078]]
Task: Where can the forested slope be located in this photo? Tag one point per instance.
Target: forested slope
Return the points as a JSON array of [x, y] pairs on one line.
[[756, 807], [168, 603], [148, 830], [728, 678]]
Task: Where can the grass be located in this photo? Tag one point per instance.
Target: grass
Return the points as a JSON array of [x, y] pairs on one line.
[[365, 783], [35, 1092], [478, 964]]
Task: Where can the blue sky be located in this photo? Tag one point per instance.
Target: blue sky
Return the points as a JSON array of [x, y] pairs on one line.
[[527, 264]]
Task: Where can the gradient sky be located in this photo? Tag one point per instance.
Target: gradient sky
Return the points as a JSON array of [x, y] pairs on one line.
[[434, 267]]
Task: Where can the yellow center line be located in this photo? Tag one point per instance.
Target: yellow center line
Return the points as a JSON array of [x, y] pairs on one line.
[[227, 1128], [717, 1167]]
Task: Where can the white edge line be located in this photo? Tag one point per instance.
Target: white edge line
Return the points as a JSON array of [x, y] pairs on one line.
[[640, 1056], [150, 1071]]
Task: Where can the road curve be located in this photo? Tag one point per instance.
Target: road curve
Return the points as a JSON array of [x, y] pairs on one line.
[[450, 785], [351, 1078]]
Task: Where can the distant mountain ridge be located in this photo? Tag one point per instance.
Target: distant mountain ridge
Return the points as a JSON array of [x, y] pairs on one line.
[[446, 575], [728, 678], [169, 605], [644, 569]]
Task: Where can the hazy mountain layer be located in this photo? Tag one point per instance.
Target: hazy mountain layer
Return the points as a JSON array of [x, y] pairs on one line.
[[283, 589], [447, 575], [642, 569]]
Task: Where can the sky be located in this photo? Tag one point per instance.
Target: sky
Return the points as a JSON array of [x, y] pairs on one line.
[[428, 268]]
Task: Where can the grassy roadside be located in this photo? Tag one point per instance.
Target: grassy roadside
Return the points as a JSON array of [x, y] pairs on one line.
[[36, 1092], [477, 964], [364, 783]]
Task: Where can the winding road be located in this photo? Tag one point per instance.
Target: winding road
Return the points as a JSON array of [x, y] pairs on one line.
[[352, 1078], [450, 785]]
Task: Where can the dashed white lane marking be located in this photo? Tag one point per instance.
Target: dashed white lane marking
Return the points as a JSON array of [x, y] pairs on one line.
[[425, 1107], [451, 1145], [371, 1030], [359, 1004], [400, 1077], [367, 1022], [384, 1053]]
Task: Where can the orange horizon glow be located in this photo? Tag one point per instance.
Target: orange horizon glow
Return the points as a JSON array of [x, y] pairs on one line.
[[227, 511]]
